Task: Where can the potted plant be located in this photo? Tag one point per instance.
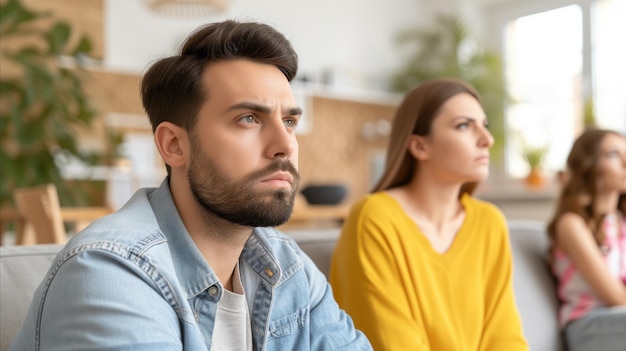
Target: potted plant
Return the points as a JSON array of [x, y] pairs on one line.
[[534, 157], [43, 105], [442, 51]]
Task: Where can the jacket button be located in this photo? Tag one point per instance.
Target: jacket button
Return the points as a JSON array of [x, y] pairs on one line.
[[269, 272], [213, 290]]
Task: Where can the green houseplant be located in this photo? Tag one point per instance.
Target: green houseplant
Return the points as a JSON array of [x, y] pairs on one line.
[[43, 104], [534, 157], [447, 50]]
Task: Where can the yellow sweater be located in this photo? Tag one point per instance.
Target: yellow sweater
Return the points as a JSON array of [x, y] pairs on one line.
[[405, 296]]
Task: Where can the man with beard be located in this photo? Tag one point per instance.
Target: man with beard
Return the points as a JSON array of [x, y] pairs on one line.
[[194, 264]]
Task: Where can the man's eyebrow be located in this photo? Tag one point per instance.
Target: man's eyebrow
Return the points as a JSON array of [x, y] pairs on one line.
[[294, 111], [249, 106], [262, 108]]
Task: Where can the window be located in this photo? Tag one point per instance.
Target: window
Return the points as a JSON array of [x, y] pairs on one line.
[[556, 61], [609, 63]]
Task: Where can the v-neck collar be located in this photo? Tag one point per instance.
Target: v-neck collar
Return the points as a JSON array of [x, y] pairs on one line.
[[459, 242]]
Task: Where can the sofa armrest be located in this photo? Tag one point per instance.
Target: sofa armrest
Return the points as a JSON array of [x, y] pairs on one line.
[[22, 267]]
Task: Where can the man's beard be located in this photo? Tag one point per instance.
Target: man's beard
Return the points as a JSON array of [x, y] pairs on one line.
[[237, 201]]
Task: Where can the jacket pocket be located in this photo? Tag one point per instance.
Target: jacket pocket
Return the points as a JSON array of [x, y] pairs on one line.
[[289, 324]]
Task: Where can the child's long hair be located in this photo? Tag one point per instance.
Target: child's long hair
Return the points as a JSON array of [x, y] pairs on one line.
[[579, 191]]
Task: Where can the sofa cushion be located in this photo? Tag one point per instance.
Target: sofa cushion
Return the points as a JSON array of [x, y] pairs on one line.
[[535, 287], [23, 267], [21, 270]]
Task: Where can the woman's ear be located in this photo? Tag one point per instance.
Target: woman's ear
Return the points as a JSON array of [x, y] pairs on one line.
[[171, 141], [418, 147]]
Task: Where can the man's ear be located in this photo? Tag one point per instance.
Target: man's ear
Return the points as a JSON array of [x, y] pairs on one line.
[[418, 147], [172, 143]]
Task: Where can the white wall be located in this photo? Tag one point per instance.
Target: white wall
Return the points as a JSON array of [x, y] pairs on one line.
[[354, 39]]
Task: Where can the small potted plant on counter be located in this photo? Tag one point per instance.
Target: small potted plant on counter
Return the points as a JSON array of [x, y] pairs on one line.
[[534, 157]]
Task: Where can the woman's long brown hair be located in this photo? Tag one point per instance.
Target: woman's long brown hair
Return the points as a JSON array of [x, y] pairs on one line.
[[415, 115]]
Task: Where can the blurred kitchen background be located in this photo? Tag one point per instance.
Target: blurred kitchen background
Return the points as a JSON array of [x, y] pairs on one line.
[[547, 68]]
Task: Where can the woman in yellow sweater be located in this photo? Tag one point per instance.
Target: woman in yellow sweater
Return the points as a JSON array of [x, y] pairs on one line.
[[421, 264]]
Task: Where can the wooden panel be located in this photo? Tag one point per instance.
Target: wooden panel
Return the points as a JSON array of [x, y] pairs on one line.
[[110, 92], [114, 92], [335, 150], [85, 16]]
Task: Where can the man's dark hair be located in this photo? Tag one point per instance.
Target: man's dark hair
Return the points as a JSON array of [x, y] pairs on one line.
[[172, 89]]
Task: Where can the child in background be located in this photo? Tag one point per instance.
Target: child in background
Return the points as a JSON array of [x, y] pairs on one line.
[[588, 236]]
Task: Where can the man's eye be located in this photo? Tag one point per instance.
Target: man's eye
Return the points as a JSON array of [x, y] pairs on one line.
[[290, 122], [247, 119]]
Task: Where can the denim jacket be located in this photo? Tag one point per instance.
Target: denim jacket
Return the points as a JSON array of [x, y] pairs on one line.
[[135, 280]]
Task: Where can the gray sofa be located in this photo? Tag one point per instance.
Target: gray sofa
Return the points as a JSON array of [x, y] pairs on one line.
[[22, 268]]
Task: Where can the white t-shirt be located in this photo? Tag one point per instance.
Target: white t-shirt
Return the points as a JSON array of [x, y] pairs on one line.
[[232, 329]]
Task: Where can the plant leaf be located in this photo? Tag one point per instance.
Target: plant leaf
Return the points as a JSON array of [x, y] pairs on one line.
[[13, 15], [84, 46], [57, 37]]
